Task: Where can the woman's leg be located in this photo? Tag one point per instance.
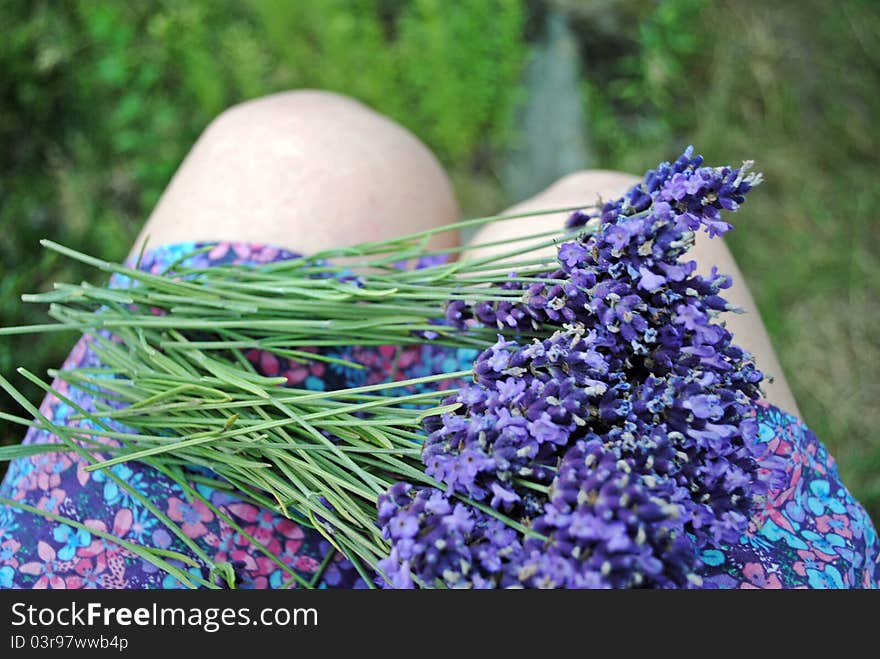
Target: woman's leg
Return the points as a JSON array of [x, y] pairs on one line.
[[589, 187], [304, 170]]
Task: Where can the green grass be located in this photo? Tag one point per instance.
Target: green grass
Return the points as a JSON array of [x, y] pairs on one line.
[[99, 103], [793, 87]]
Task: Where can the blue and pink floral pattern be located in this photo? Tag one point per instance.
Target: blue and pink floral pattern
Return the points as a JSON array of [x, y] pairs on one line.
[[808, 532]]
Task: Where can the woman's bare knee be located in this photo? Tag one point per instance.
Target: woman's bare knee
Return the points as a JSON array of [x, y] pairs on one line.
[[307, 170], [590, 186], [575, 190]]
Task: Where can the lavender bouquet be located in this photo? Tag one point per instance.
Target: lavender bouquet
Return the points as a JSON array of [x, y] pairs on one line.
[[603, 440], [621, 440]]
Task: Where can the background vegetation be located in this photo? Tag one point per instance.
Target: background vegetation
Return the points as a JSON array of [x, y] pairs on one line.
[[99, 102]]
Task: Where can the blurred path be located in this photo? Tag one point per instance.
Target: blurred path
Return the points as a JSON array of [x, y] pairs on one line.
[[551, 126]]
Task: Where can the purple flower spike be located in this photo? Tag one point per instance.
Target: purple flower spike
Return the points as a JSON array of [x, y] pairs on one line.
[[622, 437]]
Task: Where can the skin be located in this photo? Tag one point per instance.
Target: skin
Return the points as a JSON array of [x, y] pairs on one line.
[[312, 170], [305, 170]]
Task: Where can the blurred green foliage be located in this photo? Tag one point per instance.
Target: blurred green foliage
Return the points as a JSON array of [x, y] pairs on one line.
[[99, 103]]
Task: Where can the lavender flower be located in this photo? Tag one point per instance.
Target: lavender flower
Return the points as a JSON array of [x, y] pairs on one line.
[[622, 440], [609, 525], [456, 545]]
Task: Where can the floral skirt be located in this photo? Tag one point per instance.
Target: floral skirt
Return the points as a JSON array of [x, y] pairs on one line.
[[809, 532]]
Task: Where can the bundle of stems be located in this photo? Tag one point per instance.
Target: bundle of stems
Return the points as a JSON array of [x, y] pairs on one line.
[[175, 390]]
